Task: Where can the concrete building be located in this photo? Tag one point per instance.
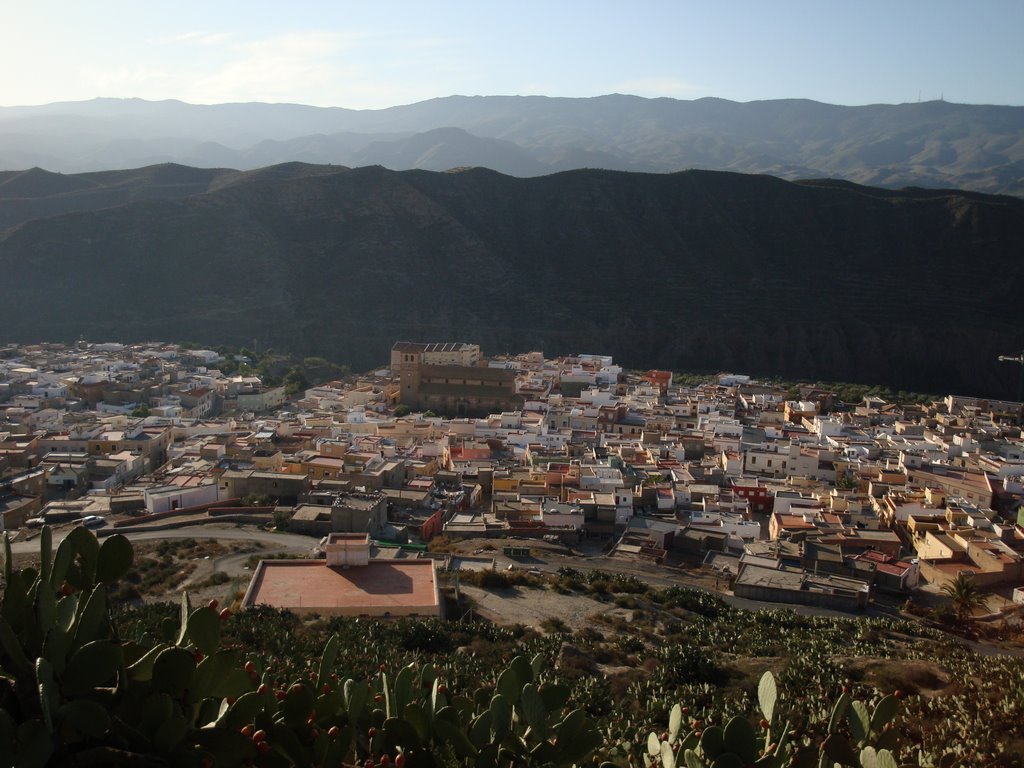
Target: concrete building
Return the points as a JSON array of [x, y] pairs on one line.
[[284, 487], [455, 389], [359, 512], [447, 353], [181, 493], [761, 579], [311, 520]]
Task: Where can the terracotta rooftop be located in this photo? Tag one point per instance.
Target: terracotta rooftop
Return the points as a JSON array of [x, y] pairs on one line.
[[394, 588], [893, 569]]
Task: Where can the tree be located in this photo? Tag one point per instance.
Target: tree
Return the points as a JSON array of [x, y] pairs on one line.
[[965, 594], [228, 366], [845, 482], [295, 381], [281, 519]]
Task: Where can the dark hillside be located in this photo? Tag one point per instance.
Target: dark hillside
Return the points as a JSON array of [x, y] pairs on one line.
[[915, 289], [35, 193]]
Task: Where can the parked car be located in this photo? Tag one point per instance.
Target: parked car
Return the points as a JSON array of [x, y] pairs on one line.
[[93, 521]]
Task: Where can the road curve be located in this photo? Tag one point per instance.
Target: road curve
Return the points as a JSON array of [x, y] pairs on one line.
[[291, 541]]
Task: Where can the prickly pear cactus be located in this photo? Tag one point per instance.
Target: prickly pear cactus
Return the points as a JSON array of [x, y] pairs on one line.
[[71, 691], [859, 736], [737, 743], [59, 659]]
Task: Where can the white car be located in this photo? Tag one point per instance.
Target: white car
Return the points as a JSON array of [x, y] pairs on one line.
[[93, 521]]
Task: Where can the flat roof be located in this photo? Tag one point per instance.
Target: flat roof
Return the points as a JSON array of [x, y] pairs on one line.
[[327, 461], [406, 493], [337, 538], [362, 503], [313, 585], [310, 511], [799, 581]]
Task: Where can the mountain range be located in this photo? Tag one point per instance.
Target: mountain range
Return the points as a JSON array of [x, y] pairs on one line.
[[918, 289], [931, 144]]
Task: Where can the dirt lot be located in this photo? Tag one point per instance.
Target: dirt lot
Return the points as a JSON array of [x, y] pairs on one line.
[[531, 607], [590, 555]]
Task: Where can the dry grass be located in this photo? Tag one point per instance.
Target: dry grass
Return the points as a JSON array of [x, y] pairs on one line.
[[888, 675]]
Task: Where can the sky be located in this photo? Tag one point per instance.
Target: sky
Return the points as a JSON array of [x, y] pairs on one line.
[[370, 55]]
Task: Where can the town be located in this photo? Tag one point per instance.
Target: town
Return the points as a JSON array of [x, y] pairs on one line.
[[767, 493]]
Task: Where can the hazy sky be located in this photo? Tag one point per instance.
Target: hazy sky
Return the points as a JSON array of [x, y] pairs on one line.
[[370, 54]]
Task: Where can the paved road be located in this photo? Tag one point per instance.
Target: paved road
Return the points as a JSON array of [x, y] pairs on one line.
[[282, 541]]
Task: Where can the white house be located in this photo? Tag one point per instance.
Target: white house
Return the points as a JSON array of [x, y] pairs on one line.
[[167, 497], [740, 531]]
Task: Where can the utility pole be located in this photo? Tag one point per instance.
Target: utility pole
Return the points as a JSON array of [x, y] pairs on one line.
[[1019, 360]]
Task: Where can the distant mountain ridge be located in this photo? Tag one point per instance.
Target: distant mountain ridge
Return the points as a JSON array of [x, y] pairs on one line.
[[930, 144], [917, 289]]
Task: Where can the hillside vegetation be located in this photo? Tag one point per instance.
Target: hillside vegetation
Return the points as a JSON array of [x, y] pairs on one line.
[[700, 270], [85, 683]]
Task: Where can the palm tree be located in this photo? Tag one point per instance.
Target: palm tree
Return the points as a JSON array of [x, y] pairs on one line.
[[965, 594]]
